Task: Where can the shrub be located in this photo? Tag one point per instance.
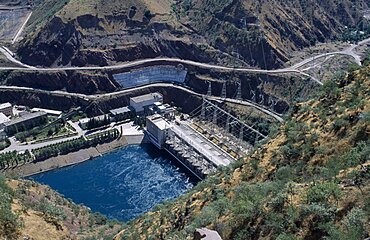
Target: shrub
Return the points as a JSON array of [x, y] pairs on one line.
[[322, 193], [352, 227], [9, 222]]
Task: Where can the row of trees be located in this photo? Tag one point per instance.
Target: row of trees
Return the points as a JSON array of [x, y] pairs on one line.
[[96, 123], [14, 159], [63, 148]]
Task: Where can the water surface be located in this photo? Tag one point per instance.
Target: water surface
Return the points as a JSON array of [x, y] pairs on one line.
[[122, 184]]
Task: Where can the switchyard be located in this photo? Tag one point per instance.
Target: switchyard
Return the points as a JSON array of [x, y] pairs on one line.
[[198, 149]]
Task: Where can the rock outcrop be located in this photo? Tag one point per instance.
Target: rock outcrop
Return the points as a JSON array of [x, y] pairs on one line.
[[244, 32]]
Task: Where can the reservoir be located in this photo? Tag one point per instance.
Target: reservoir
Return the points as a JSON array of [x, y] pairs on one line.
[[122, 184]]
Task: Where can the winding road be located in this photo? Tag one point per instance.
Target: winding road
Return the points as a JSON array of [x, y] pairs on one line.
[[350, 52], [25, 67], [126, 91]]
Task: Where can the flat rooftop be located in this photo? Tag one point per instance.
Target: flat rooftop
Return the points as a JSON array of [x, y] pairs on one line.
[[202, 145], [25, 117], [146, 97], [49, 111], [3, 118], [159, 122], [5, 105], [121, 110]]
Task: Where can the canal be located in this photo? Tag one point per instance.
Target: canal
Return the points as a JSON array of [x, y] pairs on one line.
[[122, 184]]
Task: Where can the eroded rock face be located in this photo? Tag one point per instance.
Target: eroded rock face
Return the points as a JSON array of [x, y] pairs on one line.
[[71, 81], [54, 45], [255, 33], [40, 100]]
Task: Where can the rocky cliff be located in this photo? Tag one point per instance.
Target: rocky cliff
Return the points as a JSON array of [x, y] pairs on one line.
[[70, 81], [242, 32]]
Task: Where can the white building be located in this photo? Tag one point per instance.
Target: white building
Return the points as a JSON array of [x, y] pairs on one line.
[[141, 103], [3, 119], [83, 122], [156, 128], [48, 111], [6, 108]]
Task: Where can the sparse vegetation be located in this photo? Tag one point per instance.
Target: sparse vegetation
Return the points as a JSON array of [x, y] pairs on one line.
[[9, 221], [39, 205]]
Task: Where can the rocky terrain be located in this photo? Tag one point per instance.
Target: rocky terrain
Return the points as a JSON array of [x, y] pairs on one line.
[[243, 32], [240, 32], [229, 32]]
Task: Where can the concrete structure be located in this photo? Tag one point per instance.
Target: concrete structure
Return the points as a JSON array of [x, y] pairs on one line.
[[6, 109], [198, 154], [206, 234], [157, 129], [149, 75], [208, 149], [3, 119], [48, 111], [84, 123], [25, 122], [122, 113], [141, 104]]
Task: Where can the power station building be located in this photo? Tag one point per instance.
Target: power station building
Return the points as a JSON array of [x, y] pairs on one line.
[[142, 104], [156, 128], [25, 122]]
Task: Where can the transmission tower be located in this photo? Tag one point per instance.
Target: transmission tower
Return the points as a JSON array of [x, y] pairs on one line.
[[223, 93], [209, 92]]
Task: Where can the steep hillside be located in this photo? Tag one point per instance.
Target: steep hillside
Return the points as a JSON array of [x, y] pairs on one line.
[[29, 210], [310, 181], [244, 32]]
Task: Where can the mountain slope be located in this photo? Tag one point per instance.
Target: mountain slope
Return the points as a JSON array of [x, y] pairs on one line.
[[29, 210], [309, 182], [243, 32]]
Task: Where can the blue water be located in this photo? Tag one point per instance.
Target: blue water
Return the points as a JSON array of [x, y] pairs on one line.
[[122, 184]]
